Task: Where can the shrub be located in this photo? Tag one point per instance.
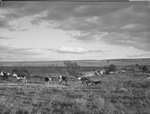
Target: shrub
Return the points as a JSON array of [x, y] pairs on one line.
[[72, 68], [144, 68], [21, 71], [112, 67]]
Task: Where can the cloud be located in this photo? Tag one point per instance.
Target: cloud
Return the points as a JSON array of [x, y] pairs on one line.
[[125, 27], [9, 53], [124, 24], [141, 41], [145, 54], [75, 50], [57, 11], [88, 36]]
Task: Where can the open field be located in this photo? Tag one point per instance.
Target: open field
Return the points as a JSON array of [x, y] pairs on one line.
[[118, 94], [87, 63], [125, 93]]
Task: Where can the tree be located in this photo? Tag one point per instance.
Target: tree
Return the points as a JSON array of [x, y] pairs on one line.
[[72, 68], [112, 67], [21, 71], [144, 68]]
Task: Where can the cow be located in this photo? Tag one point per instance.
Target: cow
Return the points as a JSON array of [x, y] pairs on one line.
[[148, 78], [47, 80], [20, 77], [123, 71], [63, 78], [111, 72], [8, 73], [4, 75], [85, 80], [102, 72], [96, 73], [24, 79]]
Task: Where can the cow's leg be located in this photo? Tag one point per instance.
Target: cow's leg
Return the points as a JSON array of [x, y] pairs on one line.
[[92, 83], [25, 80], [66, 82], [60, 81], [83, 82], [87, 84]]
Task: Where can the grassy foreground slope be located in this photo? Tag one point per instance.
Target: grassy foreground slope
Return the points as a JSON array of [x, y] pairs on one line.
[[118, 94]]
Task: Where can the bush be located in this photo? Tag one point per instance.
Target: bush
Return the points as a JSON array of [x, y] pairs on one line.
[[21, 71], [112, 67], [144, 68], [72, 68]]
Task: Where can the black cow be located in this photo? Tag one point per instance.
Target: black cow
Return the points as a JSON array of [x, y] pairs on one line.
[[47, 80], [63, 78], [5, 75]]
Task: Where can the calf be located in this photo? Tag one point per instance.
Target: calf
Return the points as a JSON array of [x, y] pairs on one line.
[[47, 80], [63, 78]]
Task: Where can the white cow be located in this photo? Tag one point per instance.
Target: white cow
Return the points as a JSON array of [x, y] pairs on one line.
[[148, 78], [8, 73], [111, 72], [20, 78], [101, 72], [2, 74], [24, 79], [123, 71]]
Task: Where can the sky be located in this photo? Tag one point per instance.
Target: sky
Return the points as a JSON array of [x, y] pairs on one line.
[[45, 31]]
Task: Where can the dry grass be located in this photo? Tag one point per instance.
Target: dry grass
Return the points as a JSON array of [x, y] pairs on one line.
[[118, 94]]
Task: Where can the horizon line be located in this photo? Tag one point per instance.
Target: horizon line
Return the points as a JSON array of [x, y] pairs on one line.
[[74, 60]]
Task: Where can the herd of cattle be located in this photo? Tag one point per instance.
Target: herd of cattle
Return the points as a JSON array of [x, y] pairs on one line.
[[47, 80], [84, 80], [62, 78], [5, 76]]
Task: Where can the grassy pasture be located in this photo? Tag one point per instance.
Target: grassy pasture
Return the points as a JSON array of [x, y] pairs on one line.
[[118, 94], [87, 63], [127, 93]]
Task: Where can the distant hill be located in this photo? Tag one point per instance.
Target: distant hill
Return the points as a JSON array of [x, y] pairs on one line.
[[120, 62]]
